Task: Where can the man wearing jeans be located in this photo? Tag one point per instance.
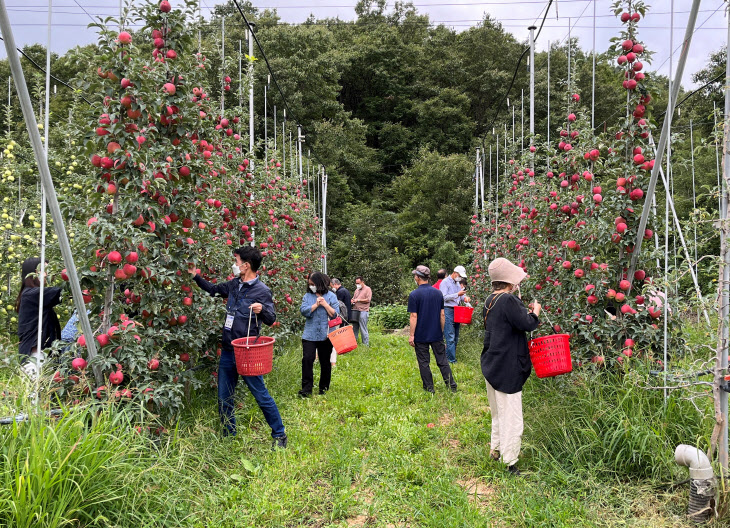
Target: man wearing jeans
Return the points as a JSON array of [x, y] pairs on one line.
[[361, 304], [249, 303], [426, 306], [452, 288]]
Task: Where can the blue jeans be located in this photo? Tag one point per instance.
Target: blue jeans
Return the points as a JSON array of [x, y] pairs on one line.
[[362, 327], [451, 334], [227, 381]]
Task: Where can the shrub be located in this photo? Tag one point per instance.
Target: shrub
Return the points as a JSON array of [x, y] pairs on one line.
[[390, 316]]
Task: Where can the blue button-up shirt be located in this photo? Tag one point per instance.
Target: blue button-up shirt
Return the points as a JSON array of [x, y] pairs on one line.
[[449, 289], [315, 324]]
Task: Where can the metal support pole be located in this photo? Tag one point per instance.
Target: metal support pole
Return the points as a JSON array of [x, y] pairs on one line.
[[548, 93], [476, 181], [283, 144], [569, 53], [694, 192], [496, 189], [665, 133], [593, 75], [250, 94], [240, 75], [275, 125], [522, 120], [42, 277], [717, 158], [723, 352], [481, 181], [300, 139], [532, 91], [324, 219], [47, 182], [266, 121], [223, 62]]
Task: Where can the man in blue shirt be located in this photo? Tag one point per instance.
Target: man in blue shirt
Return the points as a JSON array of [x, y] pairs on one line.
[[249, 303], [452, 288], [426, 306]]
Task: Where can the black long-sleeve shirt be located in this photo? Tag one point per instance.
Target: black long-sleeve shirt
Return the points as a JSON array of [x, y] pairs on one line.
[[241, 295], [505, 357], [28, 318], [343, 294]]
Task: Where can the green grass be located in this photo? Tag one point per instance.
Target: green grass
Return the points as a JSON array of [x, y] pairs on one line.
[[364, 456]]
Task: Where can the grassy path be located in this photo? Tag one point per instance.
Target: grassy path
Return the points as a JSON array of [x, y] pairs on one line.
[[364, 456], [598, 453]]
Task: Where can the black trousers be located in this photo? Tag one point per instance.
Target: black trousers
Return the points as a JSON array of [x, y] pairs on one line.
[[424, 359], [310, 350]]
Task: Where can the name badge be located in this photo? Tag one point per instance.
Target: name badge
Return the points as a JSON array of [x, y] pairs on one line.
[[229, 322]]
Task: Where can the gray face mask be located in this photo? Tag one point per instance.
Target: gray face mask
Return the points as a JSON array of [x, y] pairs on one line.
[[312, 288], [236, 270]]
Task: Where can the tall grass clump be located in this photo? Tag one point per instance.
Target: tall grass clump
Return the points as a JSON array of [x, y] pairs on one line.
[[86, 468], [609, 422]]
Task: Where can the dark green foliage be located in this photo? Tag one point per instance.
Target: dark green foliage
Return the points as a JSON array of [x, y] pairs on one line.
[[390, 316]]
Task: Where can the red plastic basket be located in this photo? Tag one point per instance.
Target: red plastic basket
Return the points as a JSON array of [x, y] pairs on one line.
[[254, 358], [550, 355], [343, 340], [462, 314]]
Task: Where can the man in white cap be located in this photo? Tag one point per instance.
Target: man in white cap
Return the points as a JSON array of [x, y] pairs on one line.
[[426, 306], [452, 288]]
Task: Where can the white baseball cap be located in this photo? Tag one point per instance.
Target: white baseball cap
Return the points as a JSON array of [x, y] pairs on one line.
[[460, 270]]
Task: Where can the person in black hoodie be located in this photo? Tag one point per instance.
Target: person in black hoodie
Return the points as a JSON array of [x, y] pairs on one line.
[[505, 358], [27, 306], [249, 304]]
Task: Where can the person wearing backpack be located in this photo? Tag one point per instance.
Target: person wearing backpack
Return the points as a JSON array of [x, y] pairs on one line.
[[505, 358]]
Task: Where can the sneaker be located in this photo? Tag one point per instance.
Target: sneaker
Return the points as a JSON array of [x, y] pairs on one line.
[[454, 389], [323, 392], [494, 455], [514, 471], [430, 391], [303, 394], [280, 442]]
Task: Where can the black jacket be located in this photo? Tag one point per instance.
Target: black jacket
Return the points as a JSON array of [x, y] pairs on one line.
[[240, 297], [343, 294], [505, 358], [28, 318]]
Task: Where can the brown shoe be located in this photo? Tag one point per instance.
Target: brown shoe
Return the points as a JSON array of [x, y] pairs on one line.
[[494, 455]]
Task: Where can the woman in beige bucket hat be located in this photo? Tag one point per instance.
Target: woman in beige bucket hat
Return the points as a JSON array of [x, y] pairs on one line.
[[505, 358]]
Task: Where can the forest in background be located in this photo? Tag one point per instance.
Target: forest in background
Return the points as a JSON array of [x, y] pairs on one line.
[[395, 107]]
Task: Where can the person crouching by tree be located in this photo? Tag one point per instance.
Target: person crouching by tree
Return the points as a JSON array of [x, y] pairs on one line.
[[319, 305], [27, 306], [505, 358], [426, 306], [249, 303]]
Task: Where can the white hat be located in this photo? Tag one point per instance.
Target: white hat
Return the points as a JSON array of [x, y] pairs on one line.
[[460, 270]]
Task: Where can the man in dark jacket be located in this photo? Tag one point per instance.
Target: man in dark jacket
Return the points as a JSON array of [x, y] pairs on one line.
[[343, 295], [249, 304]]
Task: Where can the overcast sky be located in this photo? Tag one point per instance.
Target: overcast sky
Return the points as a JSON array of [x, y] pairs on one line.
[[70, 18]]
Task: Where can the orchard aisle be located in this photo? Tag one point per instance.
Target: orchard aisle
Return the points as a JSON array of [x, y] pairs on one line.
[[365, 455]]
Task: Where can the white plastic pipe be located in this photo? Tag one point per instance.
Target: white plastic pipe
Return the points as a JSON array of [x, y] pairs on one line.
[[696, 460]]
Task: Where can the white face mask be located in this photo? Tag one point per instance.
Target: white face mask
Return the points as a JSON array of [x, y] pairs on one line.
[[359, 286], [312, 288], [236, 270]]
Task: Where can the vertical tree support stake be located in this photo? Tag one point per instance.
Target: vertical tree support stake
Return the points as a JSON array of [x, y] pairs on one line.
[[47, 182]]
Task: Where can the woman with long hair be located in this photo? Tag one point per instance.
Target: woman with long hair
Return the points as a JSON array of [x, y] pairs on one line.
[[319, 305], [27, 308]]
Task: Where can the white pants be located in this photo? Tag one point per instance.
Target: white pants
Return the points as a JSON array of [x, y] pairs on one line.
[[507, 425]]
